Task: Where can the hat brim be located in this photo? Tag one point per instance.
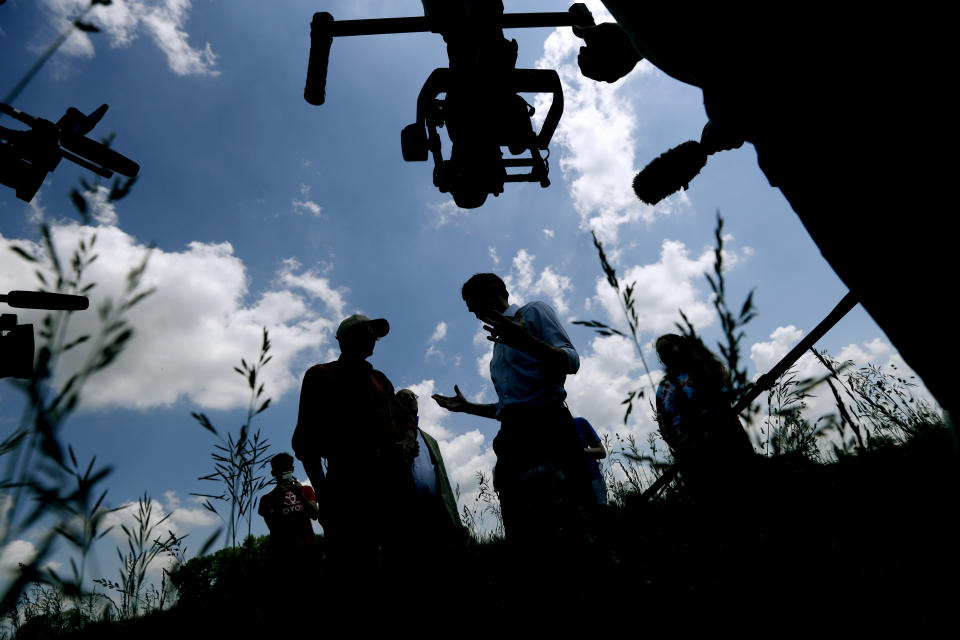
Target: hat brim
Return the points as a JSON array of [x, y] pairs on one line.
[[380, 327]]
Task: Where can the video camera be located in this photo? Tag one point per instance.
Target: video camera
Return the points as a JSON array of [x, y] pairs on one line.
[[16, 340], [482, 108], [26, 157]]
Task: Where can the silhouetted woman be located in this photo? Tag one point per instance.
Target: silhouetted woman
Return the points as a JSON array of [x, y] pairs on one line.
[[694, 414]]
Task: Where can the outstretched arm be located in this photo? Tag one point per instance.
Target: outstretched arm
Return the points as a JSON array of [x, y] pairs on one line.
[[458, 404]]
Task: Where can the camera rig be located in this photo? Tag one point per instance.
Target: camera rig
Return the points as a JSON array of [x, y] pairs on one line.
[[16, 340], [26, 157], [482, 109]]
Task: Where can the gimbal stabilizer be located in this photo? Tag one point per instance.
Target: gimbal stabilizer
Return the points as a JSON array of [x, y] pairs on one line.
[[26, 157], [482, 109]]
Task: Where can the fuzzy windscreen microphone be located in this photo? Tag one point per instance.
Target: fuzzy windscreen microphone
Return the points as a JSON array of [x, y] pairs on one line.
[[674, 169]]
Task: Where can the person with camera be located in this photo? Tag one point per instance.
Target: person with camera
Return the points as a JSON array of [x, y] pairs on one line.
[[289, 508]]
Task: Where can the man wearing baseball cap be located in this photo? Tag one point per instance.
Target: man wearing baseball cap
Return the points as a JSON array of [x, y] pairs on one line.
[[350, 417]]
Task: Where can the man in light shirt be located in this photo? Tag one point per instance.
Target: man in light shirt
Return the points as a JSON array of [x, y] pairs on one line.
[[538, 474]]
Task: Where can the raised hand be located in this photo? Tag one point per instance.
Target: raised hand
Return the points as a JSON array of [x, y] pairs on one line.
[[512, 333]]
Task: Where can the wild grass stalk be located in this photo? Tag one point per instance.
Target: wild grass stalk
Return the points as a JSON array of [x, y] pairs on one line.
[[239, 462], [44, 483], [144, 545], [625, 296]]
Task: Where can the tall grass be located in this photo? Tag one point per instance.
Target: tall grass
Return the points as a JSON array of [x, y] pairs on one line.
[[44, 484], [144, 545], [239, 461]]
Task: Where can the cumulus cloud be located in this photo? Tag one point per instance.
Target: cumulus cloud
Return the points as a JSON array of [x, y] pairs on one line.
[[525, 284], [674, 282], [494, 256], [597, 138], [124, 20], [549, 233], [609, 370], [99, 205], [165, 517], [766, 354], [195, 327], [13, 554]]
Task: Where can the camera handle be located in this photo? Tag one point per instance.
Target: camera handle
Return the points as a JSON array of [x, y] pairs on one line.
[[323, 29]]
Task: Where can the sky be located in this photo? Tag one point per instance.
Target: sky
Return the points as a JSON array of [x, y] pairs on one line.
[[263, 211]]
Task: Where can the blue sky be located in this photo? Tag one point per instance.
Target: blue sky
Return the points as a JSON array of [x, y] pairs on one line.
[[267, 211]]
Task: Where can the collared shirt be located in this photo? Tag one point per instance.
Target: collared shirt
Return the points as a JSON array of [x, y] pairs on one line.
[[519, 377]]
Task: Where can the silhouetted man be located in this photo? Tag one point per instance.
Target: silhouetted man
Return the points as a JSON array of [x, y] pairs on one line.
[[539, 467], [848, 112], [350, 417]]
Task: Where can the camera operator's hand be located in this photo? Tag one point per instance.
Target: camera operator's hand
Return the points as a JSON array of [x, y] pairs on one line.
[[609, 53]]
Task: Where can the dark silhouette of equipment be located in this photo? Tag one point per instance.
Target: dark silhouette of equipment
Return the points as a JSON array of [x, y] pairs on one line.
[[16, 340], [26, 157], [482, 109], [673, 170]]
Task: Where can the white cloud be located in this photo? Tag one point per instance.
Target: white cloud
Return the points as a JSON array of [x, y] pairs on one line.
[[766, 354], [439, 334], [316, 286], [12, 555], [596, 137], [609, 370], [163, 519], [432, 415], [549, 233], [676, 281], [525, 284], [99, 205], [822, 402], [446, 212], [463, 454], [307, 206], [493, 255], [483, 362], [124, 20], [197, 325]]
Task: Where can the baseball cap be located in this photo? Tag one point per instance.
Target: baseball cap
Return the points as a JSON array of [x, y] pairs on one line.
[[380, 326]]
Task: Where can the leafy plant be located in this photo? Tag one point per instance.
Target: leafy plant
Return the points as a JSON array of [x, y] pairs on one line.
[[785, 430], [239, 461], [628, 305], [44, 482], [873, 403], [486, 502], [143, 547]]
